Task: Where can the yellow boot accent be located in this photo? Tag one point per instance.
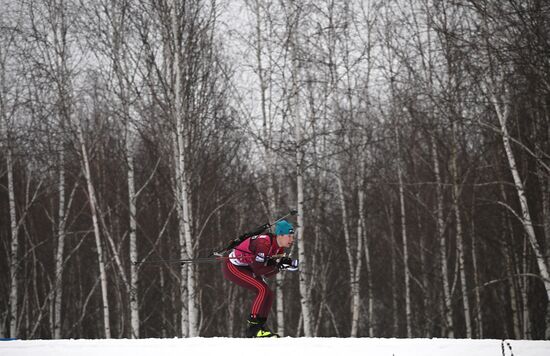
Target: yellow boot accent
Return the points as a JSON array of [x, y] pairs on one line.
[[265, 333]]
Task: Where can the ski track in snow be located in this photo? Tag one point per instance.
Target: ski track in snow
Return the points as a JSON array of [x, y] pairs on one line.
[[267, 347]]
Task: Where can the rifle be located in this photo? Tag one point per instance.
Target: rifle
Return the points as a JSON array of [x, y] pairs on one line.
[[257, 231]]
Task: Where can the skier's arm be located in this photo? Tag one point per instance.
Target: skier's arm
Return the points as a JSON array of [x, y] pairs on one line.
[[263, 265]]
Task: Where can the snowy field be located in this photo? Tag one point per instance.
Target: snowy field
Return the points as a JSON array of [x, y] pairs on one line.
[[278, 347]]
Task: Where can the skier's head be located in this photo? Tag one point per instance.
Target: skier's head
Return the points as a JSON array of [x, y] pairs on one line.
[[285, 233], [283, 227]]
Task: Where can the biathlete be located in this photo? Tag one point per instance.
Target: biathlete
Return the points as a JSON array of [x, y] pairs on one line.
[[251, 261]]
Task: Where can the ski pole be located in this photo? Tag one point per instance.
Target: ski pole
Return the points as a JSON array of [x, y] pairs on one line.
[[198, 260], [217, 259]]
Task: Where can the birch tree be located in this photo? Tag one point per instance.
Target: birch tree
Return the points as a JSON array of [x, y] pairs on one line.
[[502, 106], [264, 56], [352, 59], [403, 225], [121, 49], [499, 67], [9, 97], [14, 246], [188, 276], [85, 161], [52, 37], [459, 231], [390, 36], [59, 31], [294, 99]]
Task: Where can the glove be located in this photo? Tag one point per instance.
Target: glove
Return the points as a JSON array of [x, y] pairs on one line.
[[288, 264], [267, 261]]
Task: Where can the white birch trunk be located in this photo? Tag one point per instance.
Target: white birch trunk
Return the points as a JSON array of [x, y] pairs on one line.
[[503, 113], [362, 233], [60, 46], [269, 160], [356, 288], [14, 241], [408, 308], [14, 246], [478, 312], [192, 293], [544, 181], [119, 66], [280, 277], [442, 245], [513, 294], [4, 137], [61, 234], [524, 287], [477, 286], [392, 238], [187, 251], [355, 261], [180, 166], [352, 263], [93, 210], [184, 315], [459, 235], [134, 278], [424, 329], [280, 304], [305, 293]]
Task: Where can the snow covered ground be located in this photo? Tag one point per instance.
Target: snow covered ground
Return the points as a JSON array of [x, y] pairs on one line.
[[278, 347]]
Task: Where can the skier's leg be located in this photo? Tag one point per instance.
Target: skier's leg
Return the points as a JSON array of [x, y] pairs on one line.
[[245, 278], [267, 303], [262, 302]]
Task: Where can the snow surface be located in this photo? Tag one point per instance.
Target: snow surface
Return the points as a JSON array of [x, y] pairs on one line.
[[268, 347]]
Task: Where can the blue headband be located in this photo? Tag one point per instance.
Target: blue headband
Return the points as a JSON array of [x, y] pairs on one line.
[[283, 227]]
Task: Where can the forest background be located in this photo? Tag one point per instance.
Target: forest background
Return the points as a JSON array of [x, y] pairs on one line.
[[412, 136]]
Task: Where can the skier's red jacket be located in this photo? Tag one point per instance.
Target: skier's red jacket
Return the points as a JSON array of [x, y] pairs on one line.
[[255, 252]]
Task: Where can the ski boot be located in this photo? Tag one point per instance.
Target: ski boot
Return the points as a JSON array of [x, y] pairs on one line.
[[256, 328]]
